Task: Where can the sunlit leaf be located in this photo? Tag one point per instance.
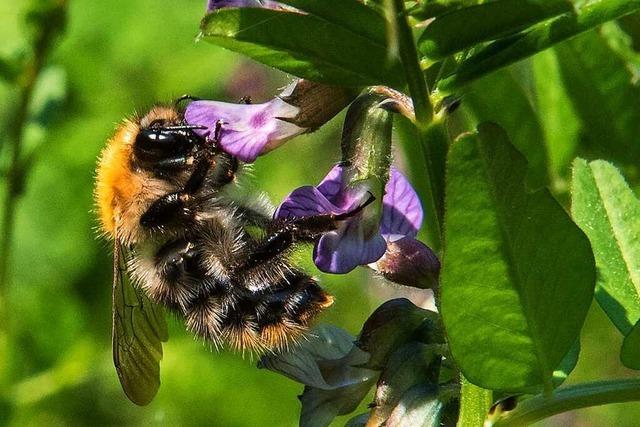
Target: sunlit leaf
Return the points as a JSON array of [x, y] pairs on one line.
[[304, 45], [606, 209], [466, 27], [475, 403], [518, 274]]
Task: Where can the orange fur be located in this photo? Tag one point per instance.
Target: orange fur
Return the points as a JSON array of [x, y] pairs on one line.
[[122, 194], [115, 181]]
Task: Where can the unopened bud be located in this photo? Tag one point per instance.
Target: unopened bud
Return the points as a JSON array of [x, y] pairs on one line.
[[409, 262]]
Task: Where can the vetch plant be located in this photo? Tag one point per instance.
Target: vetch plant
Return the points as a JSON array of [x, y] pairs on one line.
[[518, 272]]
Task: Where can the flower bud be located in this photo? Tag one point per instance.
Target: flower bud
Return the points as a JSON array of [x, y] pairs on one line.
[[409, 262]]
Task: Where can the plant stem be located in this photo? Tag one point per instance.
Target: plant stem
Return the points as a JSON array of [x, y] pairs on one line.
[[15, 174], [429, 132], [570, 398]]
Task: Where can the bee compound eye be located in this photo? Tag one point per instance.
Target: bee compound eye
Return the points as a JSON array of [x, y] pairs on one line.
[[158, 144]]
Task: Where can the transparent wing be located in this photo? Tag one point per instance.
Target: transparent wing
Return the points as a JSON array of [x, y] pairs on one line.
[[139, 328]]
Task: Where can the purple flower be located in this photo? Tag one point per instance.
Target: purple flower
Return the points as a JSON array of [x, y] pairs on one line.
[[220, 4], [353, 243], [246, 130]]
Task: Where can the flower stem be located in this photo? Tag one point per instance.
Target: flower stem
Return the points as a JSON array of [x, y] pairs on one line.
[[570, 398], [15, 173], [431, 133]]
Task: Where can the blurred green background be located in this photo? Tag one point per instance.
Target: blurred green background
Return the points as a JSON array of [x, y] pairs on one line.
[[115, 58]]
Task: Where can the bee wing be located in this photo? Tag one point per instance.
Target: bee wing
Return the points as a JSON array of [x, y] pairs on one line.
[[139, 328]]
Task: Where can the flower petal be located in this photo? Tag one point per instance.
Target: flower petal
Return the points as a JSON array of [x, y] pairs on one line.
[[248, 130], [401, 209], [334, 189], [303, 202], [342, 250]]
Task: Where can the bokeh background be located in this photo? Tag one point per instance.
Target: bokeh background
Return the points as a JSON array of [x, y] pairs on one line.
[[115, 58]]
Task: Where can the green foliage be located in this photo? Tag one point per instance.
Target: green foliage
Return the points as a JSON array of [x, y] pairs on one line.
[[536, 39], [331, 51], [609, 213], [466, 27], [523, 272]]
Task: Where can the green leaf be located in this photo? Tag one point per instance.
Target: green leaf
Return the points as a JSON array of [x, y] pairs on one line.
[[475, 403], [630, 353], [539, 37], [600, 86], [304, 45], [464, 28], [349, 14], [606, 209], [518, 274], [501, 98], [567, 365], [560, 122]]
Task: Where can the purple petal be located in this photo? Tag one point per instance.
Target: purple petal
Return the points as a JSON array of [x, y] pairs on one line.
[[247, 130], [401, 209], [220, 4], [334, 189], [342, 250], [303, 202]]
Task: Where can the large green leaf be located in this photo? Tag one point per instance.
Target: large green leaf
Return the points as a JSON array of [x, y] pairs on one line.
[[539, 37], [630, 353], [304, 45], [464, 28], [600, 86], [518, 274], [609, 213]]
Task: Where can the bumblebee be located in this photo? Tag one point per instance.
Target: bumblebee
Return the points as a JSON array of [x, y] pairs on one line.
[[184, 243]]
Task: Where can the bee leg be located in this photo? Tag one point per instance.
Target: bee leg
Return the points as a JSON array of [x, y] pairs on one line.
[[177, 208], [286, 232]]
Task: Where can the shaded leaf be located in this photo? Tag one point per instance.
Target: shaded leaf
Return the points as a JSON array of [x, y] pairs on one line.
[[320, 407], [328, 364], [358, 421], [630, 353], [609, 213], [393, 324], [518, 274], [348, 14], [418, 407], [466, 27], [304, 45], [556, 115], [414, 364], [567, 364], [501, 98], [600, 87], [539, 37]]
